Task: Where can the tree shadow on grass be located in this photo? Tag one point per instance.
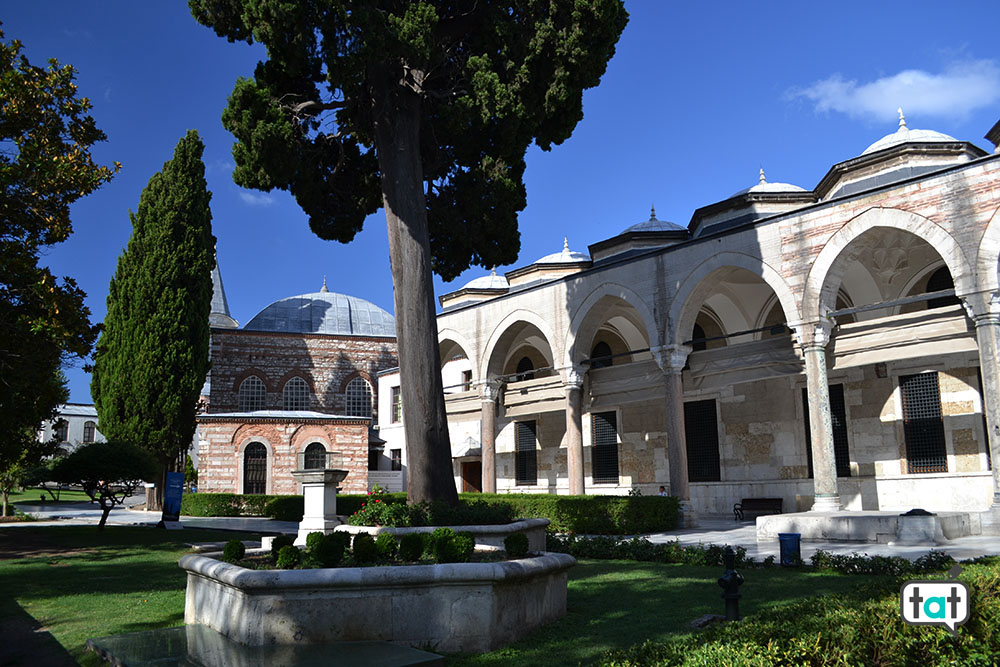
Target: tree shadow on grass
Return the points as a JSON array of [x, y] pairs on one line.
[[24, 642]]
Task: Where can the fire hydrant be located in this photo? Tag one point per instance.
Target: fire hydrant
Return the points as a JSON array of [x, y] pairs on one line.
[[730, 582]]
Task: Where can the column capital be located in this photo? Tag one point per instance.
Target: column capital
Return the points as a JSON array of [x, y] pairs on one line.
[[982, 307], [489, 391], [671, 358], [812, 334], [573, 378]]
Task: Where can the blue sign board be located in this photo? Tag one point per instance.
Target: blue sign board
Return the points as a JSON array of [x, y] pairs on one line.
[[172, 497]]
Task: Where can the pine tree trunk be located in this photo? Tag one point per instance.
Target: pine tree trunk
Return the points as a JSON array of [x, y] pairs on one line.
[[428, 448]]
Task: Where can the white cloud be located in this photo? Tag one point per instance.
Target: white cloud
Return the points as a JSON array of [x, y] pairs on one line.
[[256, 199], [963, 87]]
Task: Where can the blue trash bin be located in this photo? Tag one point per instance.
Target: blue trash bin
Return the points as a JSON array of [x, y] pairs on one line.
[[791, 552]]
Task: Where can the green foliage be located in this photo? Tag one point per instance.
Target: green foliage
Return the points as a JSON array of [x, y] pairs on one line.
[[328, 550], [591, 515], [289, 557], [190, 472], [364, 549], [280, 542], [463, 545], [447, 547], [862, 628], [281, 508], [45, 166], [351, 503], [211, 504], [152, 355], [234, 551], [285, 508], [387, 546], [516, 545], [411, 547], [855, 563]]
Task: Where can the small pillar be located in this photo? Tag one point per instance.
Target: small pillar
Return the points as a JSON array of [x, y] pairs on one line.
[[573, 386], [319, 491]]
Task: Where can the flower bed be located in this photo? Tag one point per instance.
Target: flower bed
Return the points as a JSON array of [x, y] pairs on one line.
[[454, 607]]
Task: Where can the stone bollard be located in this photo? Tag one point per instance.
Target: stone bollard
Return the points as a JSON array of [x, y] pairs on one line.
[[730, 582]]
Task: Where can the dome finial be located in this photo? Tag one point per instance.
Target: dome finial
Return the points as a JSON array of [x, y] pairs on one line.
[[493, 272], [762, 179], [902, 118], [323, 288], [652, 212], [565, 244]]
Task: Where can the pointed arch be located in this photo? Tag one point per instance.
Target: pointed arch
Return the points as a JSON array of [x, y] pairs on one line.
[[615, 290]]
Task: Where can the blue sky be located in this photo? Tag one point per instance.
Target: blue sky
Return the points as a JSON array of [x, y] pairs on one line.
[[698, 97]]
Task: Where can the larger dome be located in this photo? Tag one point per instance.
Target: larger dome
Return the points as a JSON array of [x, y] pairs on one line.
[[905, 135], [324, 312]]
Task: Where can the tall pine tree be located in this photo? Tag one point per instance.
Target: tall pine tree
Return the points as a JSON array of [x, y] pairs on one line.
[[152, 356]]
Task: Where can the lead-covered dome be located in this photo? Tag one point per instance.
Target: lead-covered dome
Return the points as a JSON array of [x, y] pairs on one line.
[[567, 256], [324, 312], [763, 186], [905, 135]]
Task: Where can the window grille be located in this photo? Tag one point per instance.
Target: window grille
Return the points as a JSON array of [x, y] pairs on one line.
[[252, 394], [923, 429], [838, 417], [358, 398], [89, 430], [702, 435], [525, 454], [395, 406], [604, 453], [255, 469], [396, 456], [315, 456], [296, 394], [62, 431]]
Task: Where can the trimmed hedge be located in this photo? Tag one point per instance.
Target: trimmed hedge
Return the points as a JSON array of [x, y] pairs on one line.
[[585, 515]]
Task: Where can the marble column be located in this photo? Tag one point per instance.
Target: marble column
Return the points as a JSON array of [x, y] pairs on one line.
[[672, 360], [574, 431], [489, 393], [813, 338], [984, 309]]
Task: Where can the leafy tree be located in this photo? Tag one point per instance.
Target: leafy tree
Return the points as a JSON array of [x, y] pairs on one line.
[[45, 166], [152, 355], [425, 109], [109, 472]]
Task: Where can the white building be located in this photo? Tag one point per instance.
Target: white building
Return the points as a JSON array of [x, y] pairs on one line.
[[75, 425]]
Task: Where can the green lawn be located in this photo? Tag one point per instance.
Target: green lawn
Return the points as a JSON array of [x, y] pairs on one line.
[[32, 496], [79, 583], [615, 604]]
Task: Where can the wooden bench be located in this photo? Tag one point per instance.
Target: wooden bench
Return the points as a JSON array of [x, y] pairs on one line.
[[757, 506]]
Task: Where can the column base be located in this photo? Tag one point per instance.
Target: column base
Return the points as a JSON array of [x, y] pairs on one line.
[[687, 517], [990, 520], [827, 503]]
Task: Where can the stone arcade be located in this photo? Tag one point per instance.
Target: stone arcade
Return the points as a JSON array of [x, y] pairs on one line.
[[834, 347]]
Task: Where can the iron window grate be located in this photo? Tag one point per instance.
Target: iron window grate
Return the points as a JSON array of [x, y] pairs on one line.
[[296, 395], [701, 428], [923, 428], [838, 417], [252, 394], [604, 453], [255, 469], [315, 456], [525, 454], [358, 398]]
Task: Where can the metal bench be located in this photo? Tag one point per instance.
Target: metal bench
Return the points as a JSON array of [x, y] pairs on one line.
[[757, 506]]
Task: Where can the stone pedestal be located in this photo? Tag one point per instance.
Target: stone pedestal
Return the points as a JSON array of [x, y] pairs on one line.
[[319, 491], [918, 530]]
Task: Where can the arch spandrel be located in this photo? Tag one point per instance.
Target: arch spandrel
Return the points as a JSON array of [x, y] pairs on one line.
[[988, 256]]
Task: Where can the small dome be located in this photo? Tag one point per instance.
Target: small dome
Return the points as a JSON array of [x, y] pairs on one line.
[[654, 225], [905, 135], [324, 312], [492, 281], [764, 186], [567, 256]]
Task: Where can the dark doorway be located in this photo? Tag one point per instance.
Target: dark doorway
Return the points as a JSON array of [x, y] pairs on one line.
[[472, 477]]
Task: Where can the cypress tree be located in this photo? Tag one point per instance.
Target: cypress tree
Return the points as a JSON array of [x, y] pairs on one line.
[[152, 356]]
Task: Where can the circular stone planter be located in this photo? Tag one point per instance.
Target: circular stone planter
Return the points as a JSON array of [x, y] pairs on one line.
[[455, 607]]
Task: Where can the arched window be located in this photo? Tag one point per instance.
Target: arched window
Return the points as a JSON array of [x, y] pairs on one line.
[[255, 468], [252, 395], [941, 280], [600, 356], [296, 394], [315, 456], [358, 398], [524, 369], [89, 430]]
